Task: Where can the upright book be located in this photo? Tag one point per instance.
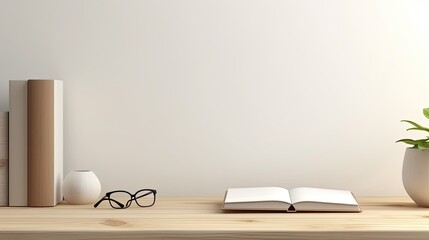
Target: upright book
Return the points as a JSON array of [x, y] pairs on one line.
[[4, 155], [18, 143], [45, 142], [294, 200]]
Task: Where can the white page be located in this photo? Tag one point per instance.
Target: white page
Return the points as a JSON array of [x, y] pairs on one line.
[[261, 194], [322, 195]]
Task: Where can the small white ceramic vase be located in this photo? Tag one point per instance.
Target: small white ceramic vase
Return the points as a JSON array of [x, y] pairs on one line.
[[81, 187], [415, 175]]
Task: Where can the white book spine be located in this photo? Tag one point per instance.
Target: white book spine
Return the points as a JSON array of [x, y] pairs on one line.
[[18, 143], [58, 140], [4, 169]]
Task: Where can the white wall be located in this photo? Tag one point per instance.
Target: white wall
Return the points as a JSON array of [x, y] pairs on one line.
[[191, 97]]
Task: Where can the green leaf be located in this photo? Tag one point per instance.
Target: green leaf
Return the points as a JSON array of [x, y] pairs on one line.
[[412, 123], [416, 126], [418, 129], [408, 141], [426, 112], [423, 146]]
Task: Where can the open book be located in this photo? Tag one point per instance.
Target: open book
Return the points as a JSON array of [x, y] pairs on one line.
[[294, 200]]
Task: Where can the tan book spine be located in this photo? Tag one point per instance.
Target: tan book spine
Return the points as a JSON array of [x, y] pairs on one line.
[[44, 142], [18, 143], [4, 156]]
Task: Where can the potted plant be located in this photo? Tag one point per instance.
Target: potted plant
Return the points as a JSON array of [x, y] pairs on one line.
[[415, 169]]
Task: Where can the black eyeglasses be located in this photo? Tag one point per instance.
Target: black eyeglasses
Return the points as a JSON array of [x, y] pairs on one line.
[[122, 199]]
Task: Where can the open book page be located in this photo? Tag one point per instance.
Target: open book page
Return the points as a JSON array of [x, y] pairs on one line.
[[317, 199], [262, 198]]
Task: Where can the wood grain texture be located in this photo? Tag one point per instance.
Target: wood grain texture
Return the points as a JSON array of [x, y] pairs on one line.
[[4, 155], [41, 143], [202, 218]]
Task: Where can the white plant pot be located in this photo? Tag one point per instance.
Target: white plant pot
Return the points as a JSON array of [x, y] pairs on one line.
[[415, 175], [81, 187]]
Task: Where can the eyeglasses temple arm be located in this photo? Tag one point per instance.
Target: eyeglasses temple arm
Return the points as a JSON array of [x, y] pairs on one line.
[[120, 204], [99, 201], [144, 195], [106, 198]]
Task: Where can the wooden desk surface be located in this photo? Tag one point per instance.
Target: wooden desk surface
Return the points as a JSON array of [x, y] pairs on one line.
[[199, 218]]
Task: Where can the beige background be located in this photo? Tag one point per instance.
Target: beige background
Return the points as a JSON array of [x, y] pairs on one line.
[[192, 97]]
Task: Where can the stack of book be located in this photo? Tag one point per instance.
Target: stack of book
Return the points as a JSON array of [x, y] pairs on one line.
[[35, 143]]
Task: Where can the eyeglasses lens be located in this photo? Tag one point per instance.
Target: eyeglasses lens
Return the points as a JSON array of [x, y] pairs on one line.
[[145, 198], [120, 200]]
